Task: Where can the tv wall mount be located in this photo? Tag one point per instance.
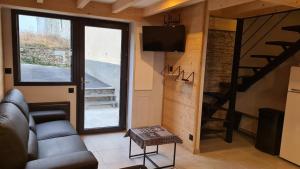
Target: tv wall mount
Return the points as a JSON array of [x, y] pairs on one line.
[[172, 20]]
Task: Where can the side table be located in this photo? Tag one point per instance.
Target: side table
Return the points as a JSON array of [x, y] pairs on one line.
[[152, 136]]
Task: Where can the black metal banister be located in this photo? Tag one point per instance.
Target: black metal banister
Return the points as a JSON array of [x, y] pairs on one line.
[[269, 67], [250, 25], [234, 80], [267, 32], [257, 30]]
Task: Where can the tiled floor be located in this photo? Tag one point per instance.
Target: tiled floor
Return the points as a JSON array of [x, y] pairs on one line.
[[111, 150]]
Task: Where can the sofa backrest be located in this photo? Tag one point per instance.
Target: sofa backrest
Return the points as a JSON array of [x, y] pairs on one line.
[[16, 97], [14, 133]]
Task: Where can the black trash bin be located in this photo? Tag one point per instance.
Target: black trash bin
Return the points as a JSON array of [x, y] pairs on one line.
[[269, 130]]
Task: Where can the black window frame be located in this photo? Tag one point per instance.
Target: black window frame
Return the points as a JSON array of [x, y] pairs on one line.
[[16, 48]]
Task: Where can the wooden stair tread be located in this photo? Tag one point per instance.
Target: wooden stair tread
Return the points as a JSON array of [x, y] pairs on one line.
[[264, 56], [215, 106], [214, 119], [245, 77], [214, 94], [212, 131], [280, 43], [293, 28], [250, 67]]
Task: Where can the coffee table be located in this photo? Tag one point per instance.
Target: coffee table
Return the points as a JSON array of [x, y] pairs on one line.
[[152, 136]]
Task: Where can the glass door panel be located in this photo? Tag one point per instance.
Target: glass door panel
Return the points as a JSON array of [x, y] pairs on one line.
[[102, 77]]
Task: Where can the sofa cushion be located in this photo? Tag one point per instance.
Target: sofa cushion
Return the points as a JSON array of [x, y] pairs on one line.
[[13, 137], [32, 146], [32, 124], [77, 160], [48, 115], [59, 146], [54, 129], [16, 97]]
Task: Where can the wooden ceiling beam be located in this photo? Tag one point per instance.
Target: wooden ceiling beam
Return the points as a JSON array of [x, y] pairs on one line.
[[291, 3], [249, 7], [214, 5], [121, 5], [167, 5], [82, 3]]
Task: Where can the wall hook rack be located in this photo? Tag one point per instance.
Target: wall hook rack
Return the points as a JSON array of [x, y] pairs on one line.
[[181, 74], [178, 73], [190, 79], [171, 72]]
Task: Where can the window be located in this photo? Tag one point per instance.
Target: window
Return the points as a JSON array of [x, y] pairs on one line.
[[43, 49]]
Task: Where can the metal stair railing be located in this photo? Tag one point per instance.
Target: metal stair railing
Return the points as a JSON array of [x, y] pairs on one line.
[[264, 35]]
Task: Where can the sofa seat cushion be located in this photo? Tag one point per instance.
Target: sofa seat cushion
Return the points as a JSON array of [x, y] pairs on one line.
[[60, 146], [48, 115], [78, 160], [54, 129]]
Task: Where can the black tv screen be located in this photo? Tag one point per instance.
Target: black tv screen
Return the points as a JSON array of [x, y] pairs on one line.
[[164, 38]]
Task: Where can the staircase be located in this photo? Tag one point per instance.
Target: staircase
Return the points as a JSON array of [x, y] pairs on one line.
[[215, 101], [103, 97]]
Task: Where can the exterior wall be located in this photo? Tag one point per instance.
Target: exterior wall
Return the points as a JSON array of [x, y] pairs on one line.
[[181, 100], [106, 72], [270, 91], [45, 56], [59, 93]]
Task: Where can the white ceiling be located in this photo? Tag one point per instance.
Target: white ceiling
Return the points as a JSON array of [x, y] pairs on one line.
[[138, 4]]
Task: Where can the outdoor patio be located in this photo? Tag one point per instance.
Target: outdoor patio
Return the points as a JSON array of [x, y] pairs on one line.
[[101, 117]]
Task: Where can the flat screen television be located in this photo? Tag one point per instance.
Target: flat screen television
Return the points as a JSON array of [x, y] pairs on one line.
[[164, 38]]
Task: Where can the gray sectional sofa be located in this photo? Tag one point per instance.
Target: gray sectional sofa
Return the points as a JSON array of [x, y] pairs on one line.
[[40, 139]]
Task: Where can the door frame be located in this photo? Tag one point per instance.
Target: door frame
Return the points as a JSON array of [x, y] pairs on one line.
[[124, 27]]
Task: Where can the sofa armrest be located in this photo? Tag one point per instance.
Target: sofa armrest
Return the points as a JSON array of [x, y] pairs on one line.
[[49, 111], [78, 160], [48, 115]]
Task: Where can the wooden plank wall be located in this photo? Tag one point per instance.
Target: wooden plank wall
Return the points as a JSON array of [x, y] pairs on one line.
[[181, 100]]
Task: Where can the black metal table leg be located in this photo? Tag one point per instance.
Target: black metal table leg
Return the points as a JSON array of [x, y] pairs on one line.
[[129, 147], [144, 160], [145, 156], [174, 155]]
